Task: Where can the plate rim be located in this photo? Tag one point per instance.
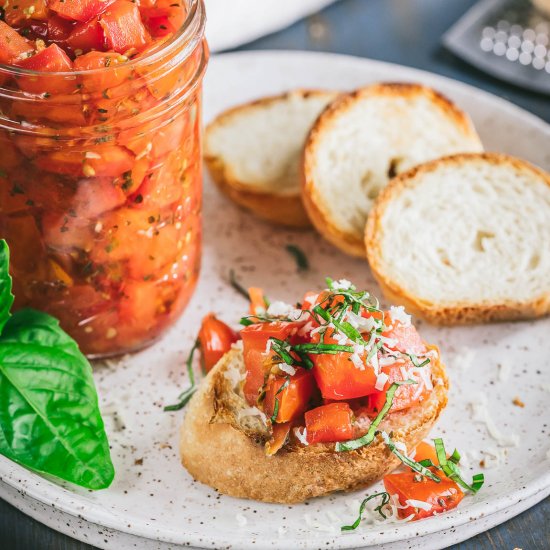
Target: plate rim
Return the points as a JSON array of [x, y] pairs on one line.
[[44, 491]]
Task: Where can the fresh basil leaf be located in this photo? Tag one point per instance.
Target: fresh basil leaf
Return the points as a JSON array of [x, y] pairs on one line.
[[49, 414], [6, 297]]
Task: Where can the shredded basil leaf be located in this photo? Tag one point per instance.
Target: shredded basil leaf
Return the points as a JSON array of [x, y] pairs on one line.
[[449, 466], [416, 363], [237, 286], [385, 500], [299, 256], [320, 348], [186, 395], [275, 410], [368, 438]]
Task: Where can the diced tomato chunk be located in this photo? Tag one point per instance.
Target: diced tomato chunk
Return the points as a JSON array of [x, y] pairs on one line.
[[255, 339], [49, 60], [13, 47], [293, 399], [86, 37], [215, 339], [437, 497], [79, 10], [329, 423], [20, 11], [102, 80], [337, 375], [164, 17], [123, 27], [58, 29]]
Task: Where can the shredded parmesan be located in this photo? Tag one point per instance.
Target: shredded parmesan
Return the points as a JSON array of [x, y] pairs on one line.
[[241, 520], [301, 435], [420, 504], [381, 380], [398, 313], [342, 284], [289, 369], [480, 413]]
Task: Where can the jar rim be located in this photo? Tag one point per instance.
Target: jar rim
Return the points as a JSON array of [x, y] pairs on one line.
[[190, 32]]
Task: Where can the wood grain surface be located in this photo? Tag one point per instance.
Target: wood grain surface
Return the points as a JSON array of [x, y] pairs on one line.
[[401, 31]]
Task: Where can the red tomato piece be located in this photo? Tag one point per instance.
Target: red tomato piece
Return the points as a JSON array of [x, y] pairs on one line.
[[58, 29], [329, 423], [49, 60], [123, 27], [164, 17], [63, 232], [20, 11], [407, 338], [86, 37], [79, 10], [95, 196], [337, 376], [13, 47], [291, 401], [215, 339], [255, 339], [412, 486]]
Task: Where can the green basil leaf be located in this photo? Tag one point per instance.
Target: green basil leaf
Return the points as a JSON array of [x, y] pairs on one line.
[[6, 297], [49, 414]]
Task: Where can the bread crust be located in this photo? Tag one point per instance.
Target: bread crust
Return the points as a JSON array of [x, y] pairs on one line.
[[224, 457], [457, 313], [312, 197], [282, 208]]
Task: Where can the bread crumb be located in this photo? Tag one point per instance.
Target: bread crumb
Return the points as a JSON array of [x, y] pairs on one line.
[[518, 402]]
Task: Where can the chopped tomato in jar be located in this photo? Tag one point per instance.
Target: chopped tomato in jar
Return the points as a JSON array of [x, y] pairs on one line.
[[101, 167]]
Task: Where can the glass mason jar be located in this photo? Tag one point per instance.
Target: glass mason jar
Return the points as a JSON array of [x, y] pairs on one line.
[[100, 189]]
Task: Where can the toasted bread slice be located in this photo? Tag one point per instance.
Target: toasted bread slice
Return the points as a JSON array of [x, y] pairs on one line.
[[222, 443], [365, 138], [465, 239], [253, 153]]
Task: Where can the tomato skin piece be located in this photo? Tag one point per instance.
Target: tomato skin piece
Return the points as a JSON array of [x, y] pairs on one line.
[[329, 423], [86, 37], [406, 395], [337, 376], [123, 27], [49, 60], [425, 451], [278, 438], [255, 339], [408, 339], [442, 496], [79, 10], [215, 340], [292, 400], [18, 12], [12, 45]]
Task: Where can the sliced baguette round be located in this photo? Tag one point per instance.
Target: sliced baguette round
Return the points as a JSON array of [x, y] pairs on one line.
[[365, 138], [465, 239], [253, 153], [222, 446]]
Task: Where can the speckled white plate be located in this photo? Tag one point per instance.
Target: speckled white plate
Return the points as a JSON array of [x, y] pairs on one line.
[[155, 504]]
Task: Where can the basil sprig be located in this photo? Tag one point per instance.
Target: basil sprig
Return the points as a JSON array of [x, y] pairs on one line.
[[186, 395], [49, 414]]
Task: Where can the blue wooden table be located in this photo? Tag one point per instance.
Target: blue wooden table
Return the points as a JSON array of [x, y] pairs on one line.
[[401, 31]]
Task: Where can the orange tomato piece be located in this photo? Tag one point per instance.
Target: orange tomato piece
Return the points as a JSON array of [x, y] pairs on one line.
[[49, 60], [255, 339], [292, 400], [86, 36], [425, 451], [13, 47], [278, 438], [20, 11], [100, 81], [123, 27], [329, 423], [410, 486], [215, 340], [257, 300]]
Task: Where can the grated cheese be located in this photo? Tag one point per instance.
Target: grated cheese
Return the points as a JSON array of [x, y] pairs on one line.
[[398, 313], [342, 284], [420, 504], [381, 380], [289, 369], [301, 435], [480, 413], [241, 520]]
